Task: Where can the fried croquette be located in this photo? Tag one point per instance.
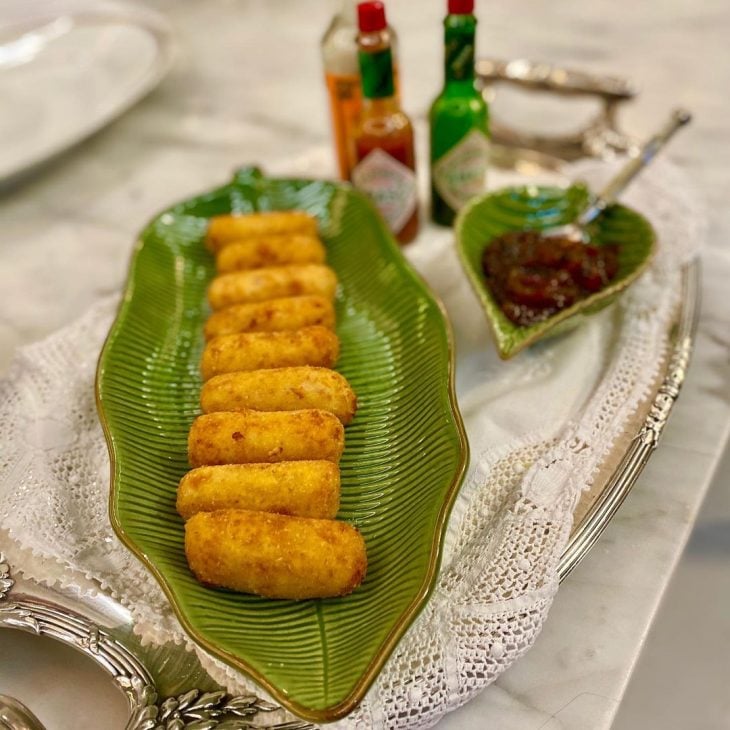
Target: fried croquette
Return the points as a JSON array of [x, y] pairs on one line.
[[280, 389], [300, 488], [224, 229], [269, 251], [275, 556], [274, 315], [272, 282], [252, 437], [316, 346]]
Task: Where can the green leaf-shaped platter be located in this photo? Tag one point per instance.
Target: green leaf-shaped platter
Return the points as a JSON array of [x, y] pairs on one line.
[[404, 460], [536, 207]]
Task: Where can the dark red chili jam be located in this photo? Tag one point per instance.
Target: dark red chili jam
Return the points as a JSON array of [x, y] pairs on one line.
[[533, 277]]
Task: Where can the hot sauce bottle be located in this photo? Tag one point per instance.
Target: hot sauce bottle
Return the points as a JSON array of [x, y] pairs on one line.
[[459, 120], [342, 76], [383, 159]]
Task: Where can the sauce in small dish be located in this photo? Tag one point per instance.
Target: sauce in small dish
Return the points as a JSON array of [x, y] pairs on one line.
[[533, 277]]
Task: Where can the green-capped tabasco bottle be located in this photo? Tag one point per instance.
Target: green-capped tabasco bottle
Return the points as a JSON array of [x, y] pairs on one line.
[[459, 121], [383, 157]]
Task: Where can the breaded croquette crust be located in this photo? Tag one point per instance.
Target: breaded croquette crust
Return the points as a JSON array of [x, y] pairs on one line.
[[270, 251], [275, 556], [300, 488], [273, 282], [317, 346], [252, 437], [274, 315], [223, 229], [280, 389]]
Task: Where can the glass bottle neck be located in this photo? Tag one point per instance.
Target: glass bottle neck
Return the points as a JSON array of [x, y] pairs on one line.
[[459, 33], [380, 106], [348, 11], [376, 66]]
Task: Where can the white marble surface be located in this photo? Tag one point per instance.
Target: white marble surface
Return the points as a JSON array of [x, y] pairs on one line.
[[247, 87], [693, 623]]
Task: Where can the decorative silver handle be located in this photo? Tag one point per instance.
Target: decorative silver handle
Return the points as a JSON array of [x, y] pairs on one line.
[[192, 709], [631, 169], [600, 137], [539, 76]]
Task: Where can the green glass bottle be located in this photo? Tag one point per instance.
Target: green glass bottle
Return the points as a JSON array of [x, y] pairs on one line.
[[459, 121]]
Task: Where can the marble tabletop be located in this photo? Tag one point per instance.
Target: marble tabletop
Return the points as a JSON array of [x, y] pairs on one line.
[[246, 86]]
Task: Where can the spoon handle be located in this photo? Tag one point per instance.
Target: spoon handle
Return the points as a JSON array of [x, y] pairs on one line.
[[631, 169]]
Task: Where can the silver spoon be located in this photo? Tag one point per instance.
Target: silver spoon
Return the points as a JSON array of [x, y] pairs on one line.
[[576, 230], [14, 715]]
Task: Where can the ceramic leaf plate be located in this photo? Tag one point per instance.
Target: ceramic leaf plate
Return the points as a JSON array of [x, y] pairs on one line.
[[538, 207], [404, 460]]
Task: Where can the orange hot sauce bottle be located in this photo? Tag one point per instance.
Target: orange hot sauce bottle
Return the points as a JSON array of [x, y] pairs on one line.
[[383, 157], [342, 75]]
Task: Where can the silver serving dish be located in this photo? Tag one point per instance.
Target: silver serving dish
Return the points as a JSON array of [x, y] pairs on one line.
[[166, 687]]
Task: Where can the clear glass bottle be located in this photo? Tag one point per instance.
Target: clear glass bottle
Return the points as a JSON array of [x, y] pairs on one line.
[[383, 150], [342, 76], [459, 121]]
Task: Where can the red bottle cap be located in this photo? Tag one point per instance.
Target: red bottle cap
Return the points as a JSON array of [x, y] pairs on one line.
[[461, 7], [371, 17]]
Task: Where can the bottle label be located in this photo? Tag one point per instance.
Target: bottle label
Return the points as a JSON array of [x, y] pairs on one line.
[[460, 174], [459, 58], [390, 184], [345, 103], [376, 70]]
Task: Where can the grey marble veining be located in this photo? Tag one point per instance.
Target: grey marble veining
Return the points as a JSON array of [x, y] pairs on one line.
[[247, 88]]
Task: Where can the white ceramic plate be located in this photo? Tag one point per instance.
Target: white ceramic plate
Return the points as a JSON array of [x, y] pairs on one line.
[[67, 68]]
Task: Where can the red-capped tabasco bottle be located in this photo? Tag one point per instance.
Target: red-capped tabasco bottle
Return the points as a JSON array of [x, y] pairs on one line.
[[342, 76], [382, 146]]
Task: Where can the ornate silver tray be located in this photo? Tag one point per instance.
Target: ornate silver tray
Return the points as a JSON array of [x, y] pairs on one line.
[[166, 687]]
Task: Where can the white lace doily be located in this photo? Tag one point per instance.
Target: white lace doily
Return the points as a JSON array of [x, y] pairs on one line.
[[539, 427]]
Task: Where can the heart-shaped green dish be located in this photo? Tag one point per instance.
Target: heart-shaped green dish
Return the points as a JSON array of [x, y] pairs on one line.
[[538, 207]]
